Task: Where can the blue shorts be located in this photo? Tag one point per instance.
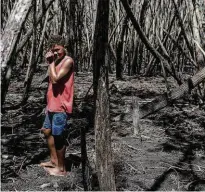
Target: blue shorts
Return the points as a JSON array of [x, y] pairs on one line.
[[57, 121]]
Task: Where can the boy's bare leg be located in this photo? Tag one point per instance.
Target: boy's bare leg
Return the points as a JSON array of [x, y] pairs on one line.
[[60, 169], [51, 146]]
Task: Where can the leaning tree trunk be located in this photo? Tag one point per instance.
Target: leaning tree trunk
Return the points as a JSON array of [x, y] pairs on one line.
[[163, 100], [183, 29], [146, 42], [32, 63], [104, 164], [9, 40]]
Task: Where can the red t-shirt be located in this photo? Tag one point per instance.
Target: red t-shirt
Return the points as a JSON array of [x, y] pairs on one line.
[[60, 95]]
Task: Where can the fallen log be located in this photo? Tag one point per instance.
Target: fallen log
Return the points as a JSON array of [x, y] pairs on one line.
[[164, 100]]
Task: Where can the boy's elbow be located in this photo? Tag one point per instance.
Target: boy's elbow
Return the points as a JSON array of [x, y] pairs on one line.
[[54, 81]]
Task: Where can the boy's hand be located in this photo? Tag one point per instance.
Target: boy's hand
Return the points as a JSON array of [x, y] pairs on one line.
[[50, 57]]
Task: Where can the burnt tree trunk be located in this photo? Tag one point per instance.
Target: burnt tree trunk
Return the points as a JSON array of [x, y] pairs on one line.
[[70, 25], [139, 48], [120, 45], [183, 29], [86, 169], [33, 61], [104, 163], [119, 64], [143, 12]]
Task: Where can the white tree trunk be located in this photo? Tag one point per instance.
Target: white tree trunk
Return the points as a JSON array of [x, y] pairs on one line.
[[12, 30], [9, 41]]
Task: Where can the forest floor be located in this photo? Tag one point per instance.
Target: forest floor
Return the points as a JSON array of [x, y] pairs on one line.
[[167, 154]]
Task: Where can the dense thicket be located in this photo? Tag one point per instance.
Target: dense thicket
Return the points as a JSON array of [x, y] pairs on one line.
[[146, 38], [174, 29]]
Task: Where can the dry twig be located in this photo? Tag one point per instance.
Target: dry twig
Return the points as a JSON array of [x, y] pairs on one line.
[[133, 168], [22, 164]]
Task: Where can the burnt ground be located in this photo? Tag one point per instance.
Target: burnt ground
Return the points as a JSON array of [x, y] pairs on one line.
[[167, 154]]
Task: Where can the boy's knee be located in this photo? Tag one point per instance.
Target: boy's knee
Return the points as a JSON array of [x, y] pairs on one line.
[[46, 132], [59, 142]]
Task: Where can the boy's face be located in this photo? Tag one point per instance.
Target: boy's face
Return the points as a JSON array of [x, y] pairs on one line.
[[58, 50]]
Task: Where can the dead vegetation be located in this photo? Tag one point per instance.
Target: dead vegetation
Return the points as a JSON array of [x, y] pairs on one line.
[[166, 154], [152, 52]]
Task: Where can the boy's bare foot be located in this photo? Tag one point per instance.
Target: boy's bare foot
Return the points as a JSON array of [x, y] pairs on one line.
[[55, 171], [48, 164]]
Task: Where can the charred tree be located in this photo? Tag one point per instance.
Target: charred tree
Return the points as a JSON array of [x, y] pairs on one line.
[[86, 169], [33, 61], [119, 64], [104, 162], [70, 25], [138, 53]]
